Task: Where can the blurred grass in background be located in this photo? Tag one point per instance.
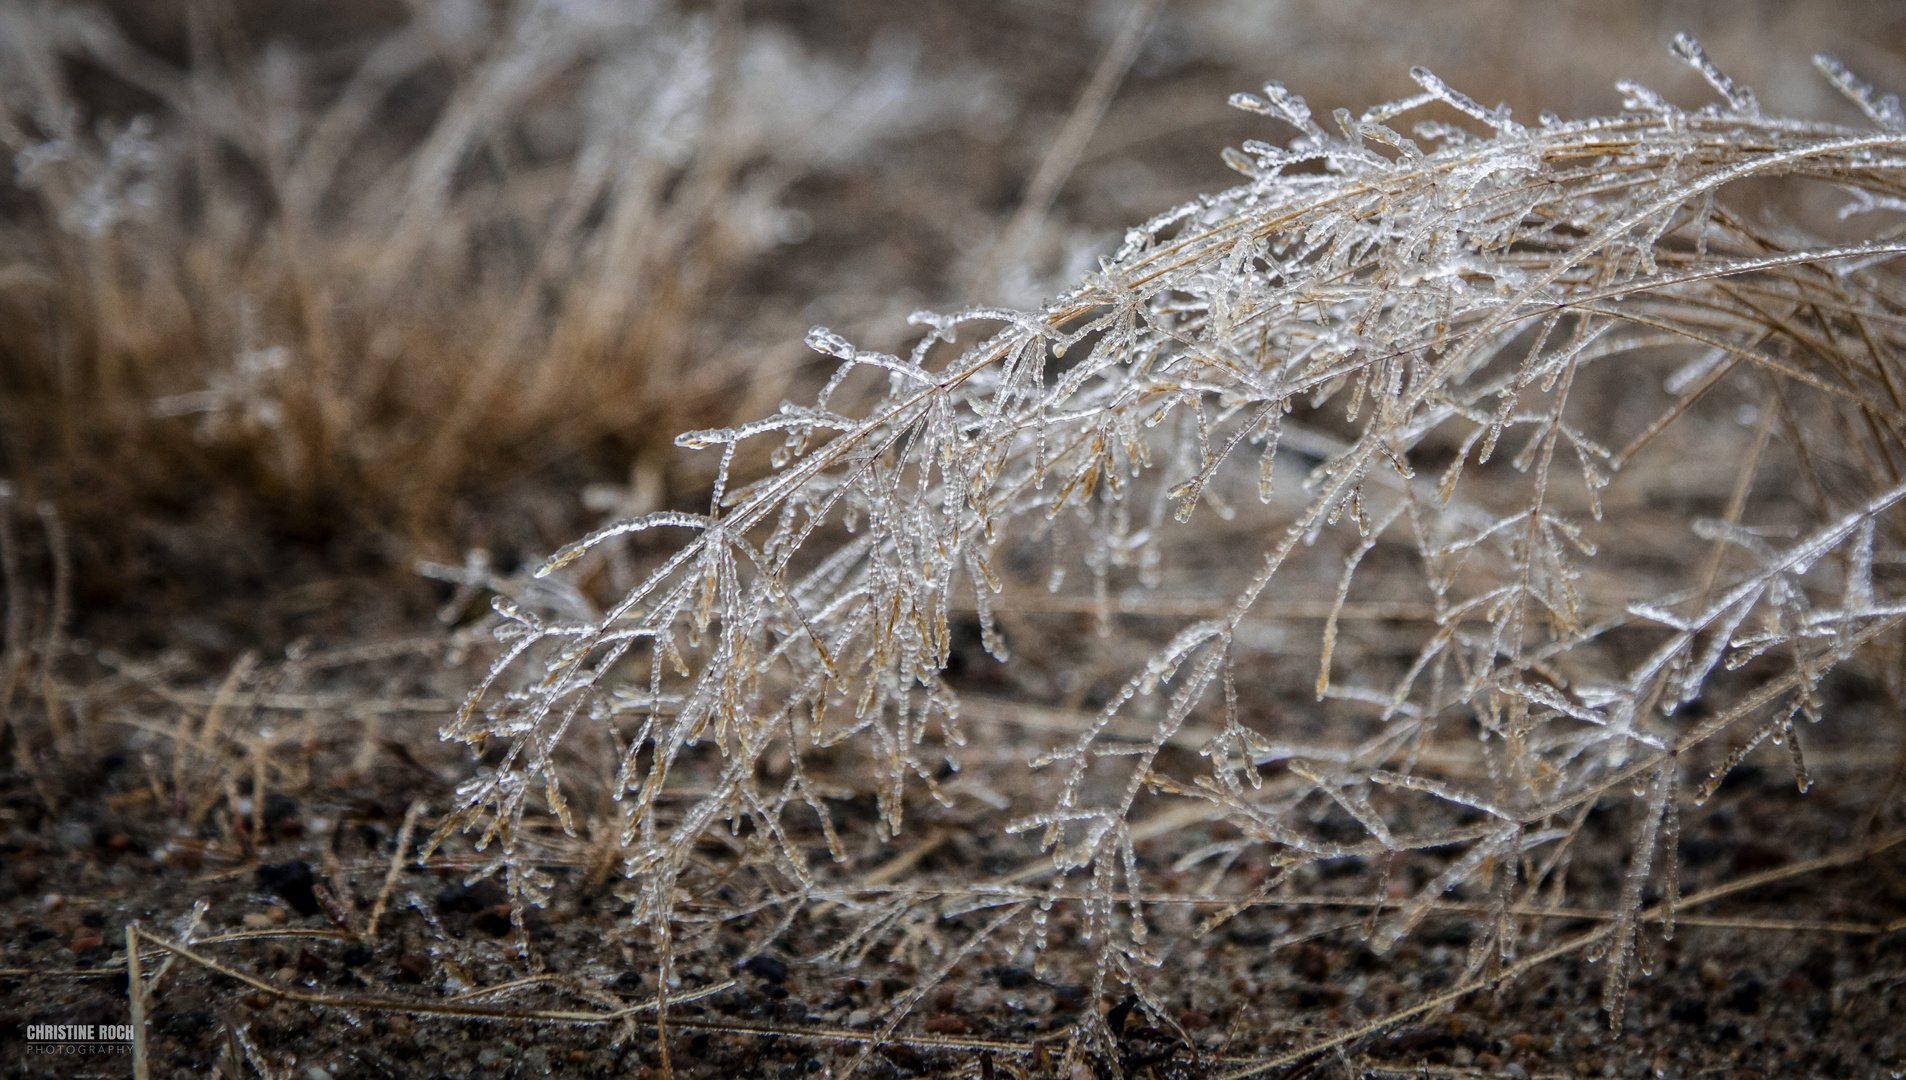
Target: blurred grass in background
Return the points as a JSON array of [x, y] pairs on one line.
[[295, 294]]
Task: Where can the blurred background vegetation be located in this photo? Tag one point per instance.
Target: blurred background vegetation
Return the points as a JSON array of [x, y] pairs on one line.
[[296, 294]]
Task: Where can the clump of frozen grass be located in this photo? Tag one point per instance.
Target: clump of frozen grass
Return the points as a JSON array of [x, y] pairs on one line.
[[1410, 312], [371, 278]]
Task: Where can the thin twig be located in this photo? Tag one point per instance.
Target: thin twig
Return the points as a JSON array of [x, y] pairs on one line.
[[1067, 147], [136, 993], [411, 814]]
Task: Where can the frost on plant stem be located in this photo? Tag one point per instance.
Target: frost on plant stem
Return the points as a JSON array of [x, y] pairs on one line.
[[1465, 336]]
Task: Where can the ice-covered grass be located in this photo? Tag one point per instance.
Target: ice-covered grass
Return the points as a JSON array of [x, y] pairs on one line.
[[1476, 340]]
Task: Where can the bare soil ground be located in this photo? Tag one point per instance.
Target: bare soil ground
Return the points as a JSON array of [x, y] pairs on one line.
[[1785, 959]]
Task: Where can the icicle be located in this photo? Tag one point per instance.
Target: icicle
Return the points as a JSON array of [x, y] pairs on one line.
[[1739, 98], [1884, 111]]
